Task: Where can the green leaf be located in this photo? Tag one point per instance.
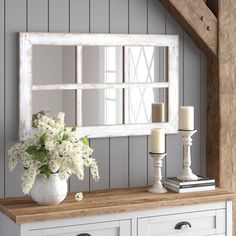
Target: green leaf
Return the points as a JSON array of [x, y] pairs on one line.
[[85, 141], [45, 170], [31, 150], [42, 139], [40, 155], [73, 129], [65, 137]]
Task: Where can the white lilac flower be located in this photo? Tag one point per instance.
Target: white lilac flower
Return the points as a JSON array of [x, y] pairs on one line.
[[79, 196], [63, 152], [49, 145], [54, 166]]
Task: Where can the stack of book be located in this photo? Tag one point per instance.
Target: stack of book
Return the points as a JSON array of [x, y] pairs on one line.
[[184, 186]]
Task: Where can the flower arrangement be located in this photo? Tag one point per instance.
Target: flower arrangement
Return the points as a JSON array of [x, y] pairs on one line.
[[53, 148]]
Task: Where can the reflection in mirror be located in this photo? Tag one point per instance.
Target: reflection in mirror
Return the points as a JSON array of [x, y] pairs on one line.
[[143, 105], [146, 64], [102, 107], [56, 101], [53, 64], [102, 64]]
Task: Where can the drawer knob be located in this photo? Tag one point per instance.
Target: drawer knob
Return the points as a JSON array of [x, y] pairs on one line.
[[183, 225], [84, 234]]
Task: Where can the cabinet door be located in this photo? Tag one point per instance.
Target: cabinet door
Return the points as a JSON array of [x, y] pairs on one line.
[[116, 228], [191, 224]]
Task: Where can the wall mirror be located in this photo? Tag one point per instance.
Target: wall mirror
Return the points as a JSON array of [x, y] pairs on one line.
[[108, 85]]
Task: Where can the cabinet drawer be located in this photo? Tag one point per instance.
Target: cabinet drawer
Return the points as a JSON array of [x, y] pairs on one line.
[[116, 228], [191, 224]]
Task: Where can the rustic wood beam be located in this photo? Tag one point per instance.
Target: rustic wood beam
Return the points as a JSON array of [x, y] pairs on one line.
[[221, 135], [196, 19]]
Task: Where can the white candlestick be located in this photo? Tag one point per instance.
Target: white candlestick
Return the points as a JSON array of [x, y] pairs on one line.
[[187, 173], [157, 185], [186, 118], [158, 141], [158, 112]]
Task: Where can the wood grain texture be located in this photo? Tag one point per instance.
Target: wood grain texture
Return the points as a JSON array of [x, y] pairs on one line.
[[189, 13], [213, 120], [222, 104], [23, 209], [2, 83], [222, 153]]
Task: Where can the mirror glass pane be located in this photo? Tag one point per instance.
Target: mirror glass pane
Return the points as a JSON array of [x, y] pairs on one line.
[[102, 107], [146, 105], [102, 64], [56, 101], [146, 64], [53, 64]]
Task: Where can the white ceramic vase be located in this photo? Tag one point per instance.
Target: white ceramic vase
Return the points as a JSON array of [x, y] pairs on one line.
[[49, 191]]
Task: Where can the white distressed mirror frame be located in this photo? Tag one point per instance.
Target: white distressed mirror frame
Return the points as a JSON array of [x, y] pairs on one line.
[[28, 40]]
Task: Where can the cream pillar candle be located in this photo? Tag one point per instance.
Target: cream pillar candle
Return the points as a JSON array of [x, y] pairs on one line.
[[186, 118], [158, 141], [158, 112]]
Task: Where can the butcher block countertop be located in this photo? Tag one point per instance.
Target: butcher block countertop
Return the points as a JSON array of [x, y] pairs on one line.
[[24, 210]]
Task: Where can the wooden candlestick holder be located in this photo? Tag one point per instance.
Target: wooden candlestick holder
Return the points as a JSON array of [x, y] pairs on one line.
[[157, 187], [187, 173]]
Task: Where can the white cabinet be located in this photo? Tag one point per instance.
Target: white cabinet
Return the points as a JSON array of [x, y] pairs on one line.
[[115, 228], [197, 223], [191, 220]]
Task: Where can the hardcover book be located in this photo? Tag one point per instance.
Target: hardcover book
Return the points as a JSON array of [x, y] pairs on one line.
[[201, 180], [184, 186], [189, 190]]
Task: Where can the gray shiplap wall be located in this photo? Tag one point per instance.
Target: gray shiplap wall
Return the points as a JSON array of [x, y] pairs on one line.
[[123, 161]]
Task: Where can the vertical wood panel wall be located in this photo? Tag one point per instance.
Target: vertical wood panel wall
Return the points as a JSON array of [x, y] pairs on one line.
[[123, 161]]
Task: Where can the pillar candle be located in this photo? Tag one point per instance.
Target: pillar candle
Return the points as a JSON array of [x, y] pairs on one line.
[[158, 112], [186, 118], [158, 141]]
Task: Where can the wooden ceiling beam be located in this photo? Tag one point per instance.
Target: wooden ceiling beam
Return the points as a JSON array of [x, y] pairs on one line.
[[197, 20]]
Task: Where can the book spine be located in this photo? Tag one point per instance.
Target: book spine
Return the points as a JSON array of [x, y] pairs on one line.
[[189, 185], [190, 182], [172, 188], [199, 189], [189, 190], [198, 182]]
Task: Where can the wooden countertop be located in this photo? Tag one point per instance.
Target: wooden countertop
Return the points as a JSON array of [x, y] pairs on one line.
[[23, 209]]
